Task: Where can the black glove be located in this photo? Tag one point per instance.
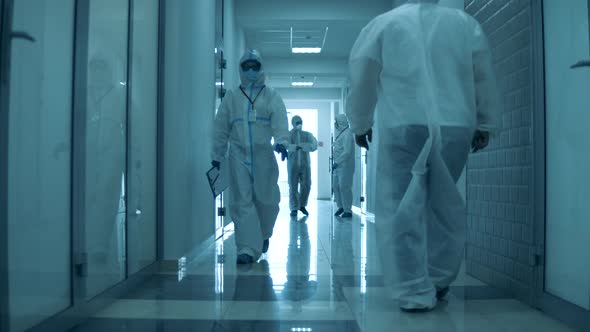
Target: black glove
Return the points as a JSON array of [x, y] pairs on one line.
[[216, 164], [280, 148], [334, 166], [364, 139], [481, 139]]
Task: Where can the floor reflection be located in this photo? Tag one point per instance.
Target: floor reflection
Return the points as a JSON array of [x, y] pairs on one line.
[[321, 274], [299, 287], [259, 289], [342, 256]]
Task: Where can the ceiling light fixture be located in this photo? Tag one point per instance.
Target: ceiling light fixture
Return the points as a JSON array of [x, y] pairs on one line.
[[301, 83], [306, 49]]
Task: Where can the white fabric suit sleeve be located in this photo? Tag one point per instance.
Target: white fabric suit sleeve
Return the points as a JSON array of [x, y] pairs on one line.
[[348, 144], [486, 87], [279, 120], [365, 69], [311, 145], [221, 129]]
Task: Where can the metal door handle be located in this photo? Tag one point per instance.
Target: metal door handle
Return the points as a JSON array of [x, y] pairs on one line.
[[137, 212], [582, 63], [22, 35]]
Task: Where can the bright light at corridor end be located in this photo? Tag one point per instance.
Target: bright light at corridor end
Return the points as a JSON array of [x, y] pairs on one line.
[[306, 49], [301, 83]]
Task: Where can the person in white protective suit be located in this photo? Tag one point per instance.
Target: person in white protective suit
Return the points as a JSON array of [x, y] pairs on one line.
[[343, 166], [301, 143], [427, 72], [247, 119]]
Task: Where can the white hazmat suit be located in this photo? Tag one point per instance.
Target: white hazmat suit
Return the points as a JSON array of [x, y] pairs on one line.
[[427, 71], [301, 143], [343, 164], [247, 120]]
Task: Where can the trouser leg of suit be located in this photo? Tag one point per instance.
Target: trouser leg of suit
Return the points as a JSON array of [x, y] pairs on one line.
[[294, 196], [447, 225], [400, 216], [431, 240], [345, 177], [267, 195], [244, 214], [337, 191], [305, 185]]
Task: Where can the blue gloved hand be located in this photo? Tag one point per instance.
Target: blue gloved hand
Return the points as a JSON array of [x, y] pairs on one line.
[[216, 164], [364, 139], [280, 148], [334, 166]]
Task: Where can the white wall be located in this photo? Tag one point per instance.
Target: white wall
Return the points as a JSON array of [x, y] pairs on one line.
[[326, 66], [234, 45], [189, 106], [328, 94]]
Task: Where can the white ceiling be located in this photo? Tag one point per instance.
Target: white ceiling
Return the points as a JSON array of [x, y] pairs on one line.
[[267, 25]]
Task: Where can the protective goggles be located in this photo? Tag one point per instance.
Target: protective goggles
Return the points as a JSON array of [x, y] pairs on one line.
[[251, 64]]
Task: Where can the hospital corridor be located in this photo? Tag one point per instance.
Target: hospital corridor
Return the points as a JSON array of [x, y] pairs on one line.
[[296, 166]]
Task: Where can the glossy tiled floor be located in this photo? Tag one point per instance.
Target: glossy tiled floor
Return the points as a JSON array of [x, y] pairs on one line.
[[320, 274]]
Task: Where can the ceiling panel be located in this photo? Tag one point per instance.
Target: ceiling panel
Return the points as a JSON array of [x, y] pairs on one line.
[[273, 26]]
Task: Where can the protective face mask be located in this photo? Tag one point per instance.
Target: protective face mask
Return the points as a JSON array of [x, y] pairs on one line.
[[251, 75], [298, 127]]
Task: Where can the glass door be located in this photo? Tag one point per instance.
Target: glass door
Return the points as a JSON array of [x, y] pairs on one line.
[[120, 142], [568, 113], [105, 146], [78, 151], [38, 124], [142, 135]]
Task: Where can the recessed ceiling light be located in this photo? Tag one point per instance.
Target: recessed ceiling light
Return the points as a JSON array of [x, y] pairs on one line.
[[306, 49], [301, 83]]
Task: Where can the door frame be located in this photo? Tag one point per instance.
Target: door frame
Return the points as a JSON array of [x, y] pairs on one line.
[[5, 24], [81, 19], [571, 314]]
